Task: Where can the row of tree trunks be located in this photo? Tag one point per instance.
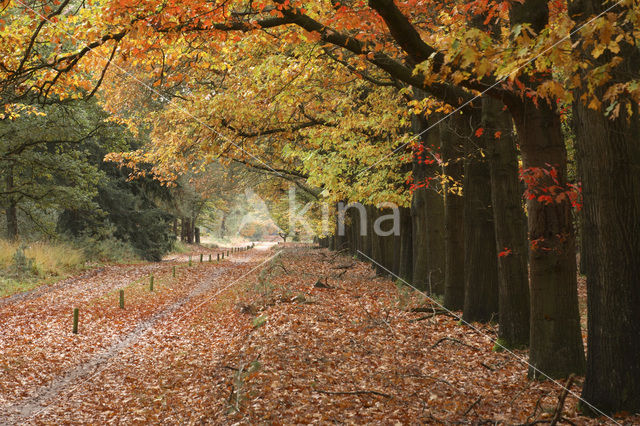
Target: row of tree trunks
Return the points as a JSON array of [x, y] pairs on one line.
[[432, 231], [189, 233], [473, 232], [610, 164]]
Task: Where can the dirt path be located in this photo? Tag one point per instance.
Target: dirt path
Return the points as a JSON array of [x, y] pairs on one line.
[[20, 412], [255, 340], [41, 360]]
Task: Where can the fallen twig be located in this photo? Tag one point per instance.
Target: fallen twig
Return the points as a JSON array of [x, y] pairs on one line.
[[426, 309], [228, 367], [520, 392], [375, 320], [563, 395], [472, 406], [451, 339], [426, 317], [535, 412], [488, 367], [343, 266], [357, 392], [320, 284]]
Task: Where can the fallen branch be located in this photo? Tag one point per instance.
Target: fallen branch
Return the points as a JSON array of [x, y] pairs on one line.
[[535, 412], [472, 406], [338, 253], [451, 339], [343, 266], [341, 274], [488, 367], [320, 284], [520, 392], [375, 320], [357, 392], [563, 396], [426, 317], [426, 309]]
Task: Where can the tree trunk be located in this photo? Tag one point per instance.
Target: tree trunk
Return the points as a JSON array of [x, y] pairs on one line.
[[192, 230], [377, 247], [555, 338], [610, 155], [427, 210], [12, 220], [510, 226], [396, 244], [183, 229], [405, 270], [355, 231], [481, 260], [366, 239], [612, 205], [12, 208], [453, 155], [223, 225]]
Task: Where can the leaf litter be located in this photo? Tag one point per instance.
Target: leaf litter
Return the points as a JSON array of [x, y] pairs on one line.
[[273, 347]]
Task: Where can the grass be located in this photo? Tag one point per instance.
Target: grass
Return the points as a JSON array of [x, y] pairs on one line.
[[45, 262]]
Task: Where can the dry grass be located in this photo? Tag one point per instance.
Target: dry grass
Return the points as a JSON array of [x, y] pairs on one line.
[[49, 260], [55, 259]]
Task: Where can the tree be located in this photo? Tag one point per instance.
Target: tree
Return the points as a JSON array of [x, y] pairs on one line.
[[610, 157], [44, 162]]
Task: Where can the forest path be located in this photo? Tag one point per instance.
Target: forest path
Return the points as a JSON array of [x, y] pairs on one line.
[[290, 334], [41, 360]]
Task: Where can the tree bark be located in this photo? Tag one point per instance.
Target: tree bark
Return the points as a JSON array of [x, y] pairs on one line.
[[427, 210], [223, 225], [396, 244], [340, 240], [481, 264], [183, 229], [405, 269], [12, 220], [192, 230], [366, 239], [612, 205], [610, 156], [453, 155], [377, 247], [12, 207], [555, 337], [510, 226]]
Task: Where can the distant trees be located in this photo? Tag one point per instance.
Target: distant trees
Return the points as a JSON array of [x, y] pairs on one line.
[[55, 182], [46, 165]]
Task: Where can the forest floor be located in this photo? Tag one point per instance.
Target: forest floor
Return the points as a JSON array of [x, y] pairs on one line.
[[277, 334]]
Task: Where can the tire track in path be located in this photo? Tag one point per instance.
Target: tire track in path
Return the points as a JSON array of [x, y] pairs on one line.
[[20, 412]]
